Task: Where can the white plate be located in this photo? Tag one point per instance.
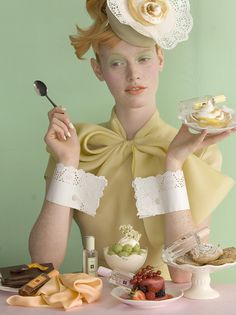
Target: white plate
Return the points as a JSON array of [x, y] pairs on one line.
[[8, 289], [119, 291]]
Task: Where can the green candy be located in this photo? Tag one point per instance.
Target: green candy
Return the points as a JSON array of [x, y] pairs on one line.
[[127, 248], [136, 248], [117, 248]]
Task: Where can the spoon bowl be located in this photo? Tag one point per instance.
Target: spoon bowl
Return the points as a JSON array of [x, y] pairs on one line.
[[41, 89]]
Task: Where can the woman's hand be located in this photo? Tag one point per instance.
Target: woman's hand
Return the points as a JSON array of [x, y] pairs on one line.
[[62, 138], [186, 143]]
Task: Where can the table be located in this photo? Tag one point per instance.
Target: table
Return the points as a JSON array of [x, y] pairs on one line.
[[223, 305]]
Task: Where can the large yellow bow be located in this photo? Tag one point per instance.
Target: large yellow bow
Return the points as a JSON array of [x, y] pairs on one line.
[[105, 150]]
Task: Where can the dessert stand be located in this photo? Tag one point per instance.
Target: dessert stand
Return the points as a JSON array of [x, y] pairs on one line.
[[201, 281]]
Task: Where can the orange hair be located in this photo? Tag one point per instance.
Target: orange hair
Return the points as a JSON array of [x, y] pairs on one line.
[[98, 33]]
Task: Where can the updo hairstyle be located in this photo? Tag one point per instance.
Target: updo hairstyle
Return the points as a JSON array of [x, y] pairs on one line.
[[97, 34]]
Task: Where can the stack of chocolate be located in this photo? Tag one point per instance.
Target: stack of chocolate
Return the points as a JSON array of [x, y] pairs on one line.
[[20, 275]]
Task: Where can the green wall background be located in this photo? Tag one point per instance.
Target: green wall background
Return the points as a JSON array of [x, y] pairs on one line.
[[34, 45]]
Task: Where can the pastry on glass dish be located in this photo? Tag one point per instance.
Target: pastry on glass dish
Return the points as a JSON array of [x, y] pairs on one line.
[[206, 113]]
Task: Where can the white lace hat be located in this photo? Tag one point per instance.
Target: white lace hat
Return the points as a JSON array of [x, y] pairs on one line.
[[148, 22]]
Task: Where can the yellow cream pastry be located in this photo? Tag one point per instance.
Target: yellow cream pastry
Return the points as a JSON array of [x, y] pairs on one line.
[[207, 113]]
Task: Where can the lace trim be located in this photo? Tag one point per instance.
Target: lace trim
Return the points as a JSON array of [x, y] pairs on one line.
[[67, 175], [160, 194], [174, 28], [76, 189], [171, 180]]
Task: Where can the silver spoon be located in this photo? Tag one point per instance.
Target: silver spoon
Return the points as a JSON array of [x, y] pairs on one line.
[[41, 89]]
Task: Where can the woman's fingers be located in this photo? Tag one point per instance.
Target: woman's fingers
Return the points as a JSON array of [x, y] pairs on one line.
[[54, 111], [55, 132], [60, 113], [59, 118], [56, 122], [214, 138]]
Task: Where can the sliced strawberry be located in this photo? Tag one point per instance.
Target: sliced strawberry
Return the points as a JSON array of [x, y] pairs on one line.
[[138, 295]]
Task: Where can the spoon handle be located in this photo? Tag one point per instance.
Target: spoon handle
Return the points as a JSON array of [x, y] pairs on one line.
[[53, 104]]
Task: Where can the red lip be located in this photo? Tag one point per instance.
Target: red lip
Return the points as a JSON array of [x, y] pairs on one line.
[[131, 87], [135, 89]]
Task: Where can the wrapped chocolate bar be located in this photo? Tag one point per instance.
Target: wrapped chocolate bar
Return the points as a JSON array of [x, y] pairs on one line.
[[19, 275], [31, 287]]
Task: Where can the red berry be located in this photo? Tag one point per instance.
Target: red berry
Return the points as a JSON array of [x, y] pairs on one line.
[[139, 279], [133, 281]]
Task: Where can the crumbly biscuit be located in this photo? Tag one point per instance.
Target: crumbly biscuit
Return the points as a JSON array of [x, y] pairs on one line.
[[229, 252], [186, 259], [228, 256]]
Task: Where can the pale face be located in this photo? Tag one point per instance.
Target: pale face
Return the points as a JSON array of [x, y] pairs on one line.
[[131, 73]]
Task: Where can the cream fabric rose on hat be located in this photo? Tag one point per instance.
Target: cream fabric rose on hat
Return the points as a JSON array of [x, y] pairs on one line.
[[148, 22], [148, 12]]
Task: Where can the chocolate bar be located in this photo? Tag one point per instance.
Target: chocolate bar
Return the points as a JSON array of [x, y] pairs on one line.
[[19, 275], [31, 287]]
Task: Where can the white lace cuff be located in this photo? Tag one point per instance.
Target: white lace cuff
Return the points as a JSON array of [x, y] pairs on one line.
[[160, 194], [76, 189]]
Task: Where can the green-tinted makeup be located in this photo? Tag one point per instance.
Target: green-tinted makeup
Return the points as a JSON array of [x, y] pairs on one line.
[[115, 59], [145, 55]]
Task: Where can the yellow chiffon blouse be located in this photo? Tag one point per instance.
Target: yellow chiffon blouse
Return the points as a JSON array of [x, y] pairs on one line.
[[105, 151]]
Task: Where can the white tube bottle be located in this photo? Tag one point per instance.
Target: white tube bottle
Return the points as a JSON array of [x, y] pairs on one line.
[[90, 256], [116, 277]]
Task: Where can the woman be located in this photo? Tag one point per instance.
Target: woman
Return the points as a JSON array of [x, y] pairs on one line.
[[134, 144]]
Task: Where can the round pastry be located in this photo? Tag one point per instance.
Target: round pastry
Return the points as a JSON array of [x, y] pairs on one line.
[[205, 253], [186, 259], [207, 114]]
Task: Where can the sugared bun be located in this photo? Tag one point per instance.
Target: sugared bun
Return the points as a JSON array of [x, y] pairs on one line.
[[205, 253], [208, 114]]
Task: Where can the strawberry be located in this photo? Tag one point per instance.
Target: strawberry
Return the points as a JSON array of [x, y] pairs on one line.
[[138, 295]]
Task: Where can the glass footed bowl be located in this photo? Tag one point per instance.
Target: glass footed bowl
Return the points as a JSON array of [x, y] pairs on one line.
[[200, 283], [130, 263]]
